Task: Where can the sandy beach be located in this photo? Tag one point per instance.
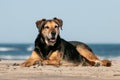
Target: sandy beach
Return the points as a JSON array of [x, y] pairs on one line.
[[10, 71]]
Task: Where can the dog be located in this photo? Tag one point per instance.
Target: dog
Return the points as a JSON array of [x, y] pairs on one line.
[[51, 49]]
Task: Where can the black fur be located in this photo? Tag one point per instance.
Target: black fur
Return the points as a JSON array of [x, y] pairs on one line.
[[68, 51], [75, 43]]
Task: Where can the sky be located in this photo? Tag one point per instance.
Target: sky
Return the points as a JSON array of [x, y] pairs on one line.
[[88, 21]]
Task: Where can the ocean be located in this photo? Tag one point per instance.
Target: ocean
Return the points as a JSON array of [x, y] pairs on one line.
[[23, 51]]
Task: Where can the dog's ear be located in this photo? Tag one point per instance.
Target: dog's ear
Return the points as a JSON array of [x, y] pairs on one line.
[[40, 23], [58, 21]]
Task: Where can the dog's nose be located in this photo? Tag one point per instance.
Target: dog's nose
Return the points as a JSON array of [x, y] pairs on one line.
[[53, 33]]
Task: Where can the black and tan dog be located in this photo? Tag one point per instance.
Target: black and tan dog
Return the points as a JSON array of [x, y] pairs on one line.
[[51, 49]]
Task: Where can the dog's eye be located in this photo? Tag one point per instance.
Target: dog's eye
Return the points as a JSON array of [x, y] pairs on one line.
[[56, 26], [46, 27]]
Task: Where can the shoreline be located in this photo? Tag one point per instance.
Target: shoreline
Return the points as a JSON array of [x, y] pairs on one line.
[[8, 71]]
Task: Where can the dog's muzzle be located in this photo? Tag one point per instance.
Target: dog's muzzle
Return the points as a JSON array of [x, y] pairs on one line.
[[52, 37]]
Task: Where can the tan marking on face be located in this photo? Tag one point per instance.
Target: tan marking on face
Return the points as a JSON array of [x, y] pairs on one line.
[[49, 27]]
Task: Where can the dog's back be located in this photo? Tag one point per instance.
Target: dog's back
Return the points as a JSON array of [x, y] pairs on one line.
[[81, 44]]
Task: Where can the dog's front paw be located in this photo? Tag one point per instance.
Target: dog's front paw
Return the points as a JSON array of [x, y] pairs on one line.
[[27, 64], [45, 62]]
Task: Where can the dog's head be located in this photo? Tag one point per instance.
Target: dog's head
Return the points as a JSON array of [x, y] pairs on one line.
[[49, 29]]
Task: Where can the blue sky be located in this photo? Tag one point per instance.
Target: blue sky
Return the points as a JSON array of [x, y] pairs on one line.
[[89, 21]]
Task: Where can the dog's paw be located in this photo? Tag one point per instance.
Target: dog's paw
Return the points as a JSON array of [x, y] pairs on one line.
[[97, 64], [45, 62], [27, 64], [106, 63]]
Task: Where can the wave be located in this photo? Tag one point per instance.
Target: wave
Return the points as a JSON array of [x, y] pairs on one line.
[[30, 48], [16, 57], [7, 49], [110, 57]]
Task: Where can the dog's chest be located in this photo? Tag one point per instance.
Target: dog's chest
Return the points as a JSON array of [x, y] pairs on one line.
[[47, 52]]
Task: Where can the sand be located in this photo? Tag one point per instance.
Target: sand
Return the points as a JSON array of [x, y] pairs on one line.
[[10, 71]]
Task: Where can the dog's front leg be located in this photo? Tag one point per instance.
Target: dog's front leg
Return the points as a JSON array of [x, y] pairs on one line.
[[51, 62], [33, 59], [54, 59]]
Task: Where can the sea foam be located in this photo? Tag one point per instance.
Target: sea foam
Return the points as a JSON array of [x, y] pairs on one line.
[[7, 49]]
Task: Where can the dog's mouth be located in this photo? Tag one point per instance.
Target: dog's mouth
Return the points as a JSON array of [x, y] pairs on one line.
[[52, 40]]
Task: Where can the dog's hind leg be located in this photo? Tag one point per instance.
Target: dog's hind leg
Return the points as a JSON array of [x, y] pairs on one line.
[[91, 57]]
